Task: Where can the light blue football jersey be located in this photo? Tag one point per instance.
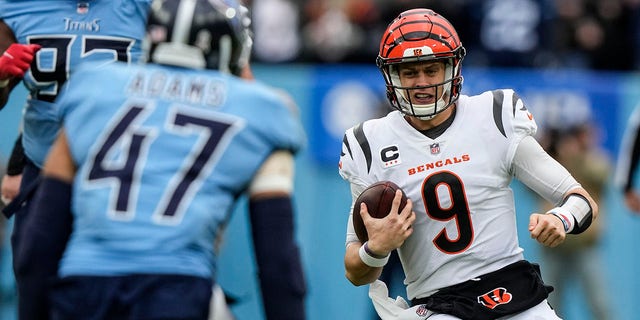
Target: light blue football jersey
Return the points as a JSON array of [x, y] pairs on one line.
[[162, 154], [70, 32]]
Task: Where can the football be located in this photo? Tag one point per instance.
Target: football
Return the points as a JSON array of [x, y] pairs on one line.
[[378, 197]]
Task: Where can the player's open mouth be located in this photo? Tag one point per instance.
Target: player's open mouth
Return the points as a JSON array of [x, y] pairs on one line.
[[423, 98]]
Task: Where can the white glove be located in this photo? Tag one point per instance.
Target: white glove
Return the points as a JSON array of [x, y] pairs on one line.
[[394, 309]]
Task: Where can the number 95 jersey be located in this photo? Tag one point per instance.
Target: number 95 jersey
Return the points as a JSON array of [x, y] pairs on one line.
[[459, 184], [70, 33]]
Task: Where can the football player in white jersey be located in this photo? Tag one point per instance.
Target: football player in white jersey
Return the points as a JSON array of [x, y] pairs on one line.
[[455, 157]]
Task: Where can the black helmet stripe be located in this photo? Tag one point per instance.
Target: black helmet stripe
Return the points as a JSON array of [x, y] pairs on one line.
[[428, 34], [431, 35]]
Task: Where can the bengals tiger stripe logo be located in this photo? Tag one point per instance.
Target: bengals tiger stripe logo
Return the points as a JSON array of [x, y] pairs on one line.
[[495, 298]]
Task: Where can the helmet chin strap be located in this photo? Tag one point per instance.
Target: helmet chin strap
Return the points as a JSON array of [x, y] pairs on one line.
[[429, 117]]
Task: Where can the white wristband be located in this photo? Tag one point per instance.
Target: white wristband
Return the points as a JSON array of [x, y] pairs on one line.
[[578, 206], [4, 83], [370, 260], [565, 216]]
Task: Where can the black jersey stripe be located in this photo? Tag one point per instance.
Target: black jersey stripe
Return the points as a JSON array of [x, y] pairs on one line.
[[364, 144], [498, 99], [345, 141], [514, 101]]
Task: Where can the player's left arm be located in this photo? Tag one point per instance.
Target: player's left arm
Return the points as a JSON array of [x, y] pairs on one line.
[[272, 223], [539, 171], [575, 208], [46, 227], [51, 207]]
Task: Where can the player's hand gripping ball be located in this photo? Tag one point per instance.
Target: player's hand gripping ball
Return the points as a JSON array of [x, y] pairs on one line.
[[378, 197]]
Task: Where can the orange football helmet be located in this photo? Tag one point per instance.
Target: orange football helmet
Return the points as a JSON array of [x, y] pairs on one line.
[[421, 35]]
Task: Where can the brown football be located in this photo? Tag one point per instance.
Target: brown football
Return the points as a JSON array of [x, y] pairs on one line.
[[378, 197]]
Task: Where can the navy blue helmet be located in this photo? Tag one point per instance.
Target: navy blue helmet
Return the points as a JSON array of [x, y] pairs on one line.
[[212, 34]]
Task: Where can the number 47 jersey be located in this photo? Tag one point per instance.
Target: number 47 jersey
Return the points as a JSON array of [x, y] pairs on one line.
[[162, 155], [70, 33], [458, 182]]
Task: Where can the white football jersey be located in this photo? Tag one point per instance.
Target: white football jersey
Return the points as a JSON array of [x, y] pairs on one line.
[[459, 184]]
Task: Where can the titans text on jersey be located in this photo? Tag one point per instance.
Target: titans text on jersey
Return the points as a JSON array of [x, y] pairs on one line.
[[70, 24]]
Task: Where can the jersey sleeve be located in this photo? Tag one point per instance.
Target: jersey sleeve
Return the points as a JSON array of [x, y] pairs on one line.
[[352, 167], [353, 158], [282, 124], [519, 122], [515, 121], [297, 138]]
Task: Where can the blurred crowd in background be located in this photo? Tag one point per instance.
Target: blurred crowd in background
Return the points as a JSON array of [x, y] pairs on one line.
[[543, 34], [590, 34]]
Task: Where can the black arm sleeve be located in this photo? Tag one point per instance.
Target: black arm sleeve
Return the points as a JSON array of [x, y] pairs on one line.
[[46, 231], [278, 258], [17, 160]]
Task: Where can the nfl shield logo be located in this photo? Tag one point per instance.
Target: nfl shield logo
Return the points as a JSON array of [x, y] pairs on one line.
[[422, 310], [83, 8], [435, 148]]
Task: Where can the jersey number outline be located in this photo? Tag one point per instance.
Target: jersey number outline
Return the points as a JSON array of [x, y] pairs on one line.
[[59, 47], [458, 209], [131, 141]]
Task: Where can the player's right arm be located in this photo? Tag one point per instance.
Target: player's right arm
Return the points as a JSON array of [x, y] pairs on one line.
[[14, 62], [6, 39], [363, 262]]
